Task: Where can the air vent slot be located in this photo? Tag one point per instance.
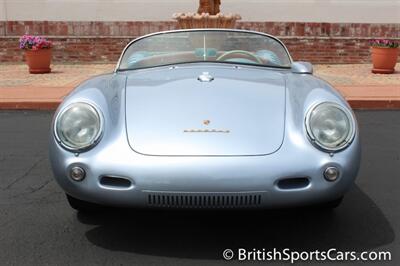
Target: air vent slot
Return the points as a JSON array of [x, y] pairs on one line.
[[203, 200], [293, 183], [117, 182]]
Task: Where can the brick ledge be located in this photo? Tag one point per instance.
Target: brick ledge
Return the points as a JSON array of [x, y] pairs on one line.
[[127, 37]]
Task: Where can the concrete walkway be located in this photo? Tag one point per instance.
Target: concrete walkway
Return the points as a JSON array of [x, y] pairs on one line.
[[21, 90], [361, 88]]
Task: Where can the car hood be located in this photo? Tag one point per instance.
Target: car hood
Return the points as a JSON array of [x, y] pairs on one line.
[[169, 112]]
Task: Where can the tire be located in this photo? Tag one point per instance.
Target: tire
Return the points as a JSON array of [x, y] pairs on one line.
[[82, 206]]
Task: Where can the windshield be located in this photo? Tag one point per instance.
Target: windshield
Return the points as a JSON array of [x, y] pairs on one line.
[[179, 47]]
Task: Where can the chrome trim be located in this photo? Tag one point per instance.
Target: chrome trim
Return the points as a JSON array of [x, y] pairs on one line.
[[77, 168], [334, 168], [205, 77], [345, 143], [193, 30], [91, 144]]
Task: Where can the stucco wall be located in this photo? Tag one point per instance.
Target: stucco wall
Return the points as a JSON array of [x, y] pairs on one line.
[[358, 11]]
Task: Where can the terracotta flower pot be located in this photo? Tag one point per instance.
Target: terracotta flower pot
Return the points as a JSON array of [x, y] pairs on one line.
[[38, 60], [384, 59]]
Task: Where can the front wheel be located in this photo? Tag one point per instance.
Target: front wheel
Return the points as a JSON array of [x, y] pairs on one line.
[[81, 205]]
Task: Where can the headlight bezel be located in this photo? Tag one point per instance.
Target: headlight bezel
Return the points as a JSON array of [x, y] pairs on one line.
[[95, 140], [314, 140]]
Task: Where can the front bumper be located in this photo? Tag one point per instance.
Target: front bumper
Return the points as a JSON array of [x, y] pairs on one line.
[[205, 182]]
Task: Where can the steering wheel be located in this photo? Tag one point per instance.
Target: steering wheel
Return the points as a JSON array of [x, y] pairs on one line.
[[249, 54]]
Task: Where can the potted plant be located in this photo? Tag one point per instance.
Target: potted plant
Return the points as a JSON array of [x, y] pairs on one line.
[[208, 16], [384, 56], [37, 53]]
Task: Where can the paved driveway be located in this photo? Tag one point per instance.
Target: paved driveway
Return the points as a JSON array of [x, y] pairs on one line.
[[37, 227], [21, 90]]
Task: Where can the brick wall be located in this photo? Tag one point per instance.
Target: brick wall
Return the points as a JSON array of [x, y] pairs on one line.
[[104, 41]]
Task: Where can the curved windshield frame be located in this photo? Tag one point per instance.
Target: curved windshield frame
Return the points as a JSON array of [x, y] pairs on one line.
[[208, 45]]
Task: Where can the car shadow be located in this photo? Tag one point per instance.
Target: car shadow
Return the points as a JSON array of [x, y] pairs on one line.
[[357, 225]]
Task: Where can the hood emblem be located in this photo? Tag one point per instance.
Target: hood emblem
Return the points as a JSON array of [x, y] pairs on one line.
[[207, 123], [205, 77], [206, 131]]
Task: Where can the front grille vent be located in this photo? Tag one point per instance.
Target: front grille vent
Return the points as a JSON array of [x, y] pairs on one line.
[[203, 201]]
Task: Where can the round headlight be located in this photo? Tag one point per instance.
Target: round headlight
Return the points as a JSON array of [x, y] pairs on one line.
[[330, 126], [78, 126]]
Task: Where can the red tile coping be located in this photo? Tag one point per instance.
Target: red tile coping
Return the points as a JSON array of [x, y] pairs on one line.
[[372, 96], [32, 98], [29, 105], [48, 98], [381, 104], [52, 105]]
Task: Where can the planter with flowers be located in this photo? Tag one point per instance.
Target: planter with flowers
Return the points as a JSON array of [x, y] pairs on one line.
[[37, 53], [384, 56]]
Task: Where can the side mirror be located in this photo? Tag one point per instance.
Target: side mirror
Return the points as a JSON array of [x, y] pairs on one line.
[[302, 68]]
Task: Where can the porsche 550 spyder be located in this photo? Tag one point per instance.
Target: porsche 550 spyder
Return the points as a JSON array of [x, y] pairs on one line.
[[205, 118]]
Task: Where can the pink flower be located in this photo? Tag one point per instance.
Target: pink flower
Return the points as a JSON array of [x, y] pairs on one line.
[[34, 42], [384, 43]]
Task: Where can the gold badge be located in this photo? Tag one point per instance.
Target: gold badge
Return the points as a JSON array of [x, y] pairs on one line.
[[206, 122], [212, 130]]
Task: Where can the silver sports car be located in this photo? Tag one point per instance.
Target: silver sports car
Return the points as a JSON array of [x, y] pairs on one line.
[[205, 118]]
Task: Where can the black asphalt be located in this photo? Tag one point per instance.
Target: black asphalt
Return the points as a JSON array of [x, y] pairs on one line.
[[37, 227]]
